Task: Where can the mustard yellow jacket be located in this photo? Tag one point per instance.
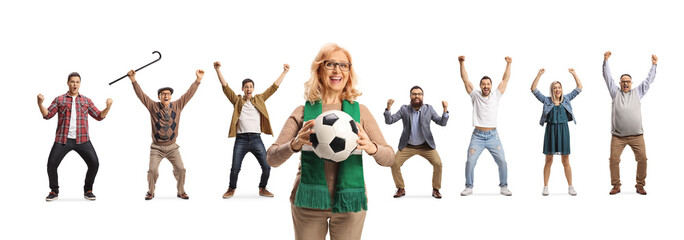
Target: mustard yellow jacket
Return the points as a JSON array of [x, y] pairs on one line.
[[259, 102]]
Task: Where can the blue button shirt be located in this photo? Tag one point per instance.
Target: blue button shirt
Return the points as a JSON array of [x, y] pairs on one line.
[[417, 137]]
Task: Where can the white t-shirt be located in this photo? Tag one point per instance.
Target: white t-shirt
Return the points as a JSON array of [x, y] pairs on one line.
[[72, 122], [249, 120], [485, 109]]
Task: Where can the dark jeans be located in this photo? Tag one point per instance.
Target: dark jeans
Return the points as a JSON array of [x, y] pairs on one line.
[[86, 151], [244, 143]]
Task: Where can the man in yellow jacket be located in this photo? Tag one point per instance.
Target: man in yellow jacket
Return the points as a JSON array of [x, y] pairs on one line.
[[250, 119]]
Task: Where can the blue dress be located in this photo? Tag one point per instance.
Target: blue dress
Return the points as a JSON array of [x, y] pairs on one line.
[[557, 134]]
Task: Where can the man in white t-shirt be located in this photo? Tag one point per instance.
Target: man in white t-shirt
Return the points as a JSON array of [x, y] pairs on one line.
[[485, 110], [249, 120]]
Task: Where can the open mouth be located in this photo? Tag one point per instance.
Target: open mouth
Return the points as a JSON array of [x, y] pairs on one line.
[[335, 79]]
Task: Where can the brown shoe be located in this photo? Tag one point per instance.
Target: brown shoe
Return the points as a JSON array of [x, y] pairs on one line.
[[229, 193], [149, 196], [400, 193], [436, 194], [183, 196], [615, 190], [640, 190], [264, 193]]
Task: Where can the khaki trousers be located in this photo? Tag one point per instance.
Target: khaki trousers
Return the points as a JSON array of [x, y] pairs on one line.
[[313, 224], [170, 152], [424, 151], [617, 144]]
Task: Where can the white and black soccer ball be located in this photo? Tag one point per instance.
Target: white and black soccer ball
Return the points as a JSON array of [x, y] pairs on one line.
[[334, 137]]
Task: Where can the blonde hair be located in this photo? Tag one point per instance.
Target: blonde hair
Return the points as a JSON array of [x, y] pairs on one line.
[[314, 89], [553, 96]]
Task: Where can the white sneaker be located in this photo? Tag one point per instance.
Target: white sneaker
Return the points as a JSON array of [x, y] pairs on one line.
[[571, 191], [545, 192], [505, 191], [467, 191]]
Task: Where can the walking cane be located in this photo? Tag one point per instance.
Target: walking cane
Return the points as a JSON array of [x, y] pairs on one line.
[[157, 52]]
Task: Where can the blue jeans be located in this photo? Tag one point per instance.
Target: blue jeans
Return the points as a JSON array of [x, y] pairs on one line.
[[478, 142], [244, 143]]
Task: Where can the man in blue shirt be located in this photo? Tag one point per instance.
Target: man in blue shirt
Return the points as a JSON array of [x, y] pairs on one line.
[[416, 138]]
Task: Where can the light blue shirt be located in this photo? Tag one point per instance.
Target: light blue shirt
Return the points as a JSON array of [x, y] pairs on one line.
[[416, 125], [626, 108], [417, 137]]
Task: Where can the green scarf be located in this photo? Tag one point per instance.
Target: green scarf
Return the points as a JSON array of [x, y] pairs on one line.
[[350, 190]]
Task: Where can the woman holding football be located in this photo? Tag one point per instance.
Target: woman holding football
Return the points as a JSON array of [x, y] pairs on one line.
[[326, 194]]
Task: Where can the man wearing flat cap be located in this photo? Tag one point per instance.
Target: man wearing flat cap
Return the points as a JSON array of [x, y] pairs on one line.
[[165, 119]]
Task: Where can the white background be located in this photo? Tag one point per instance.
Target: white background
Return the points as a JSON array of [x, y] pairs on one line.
[[395, 45]]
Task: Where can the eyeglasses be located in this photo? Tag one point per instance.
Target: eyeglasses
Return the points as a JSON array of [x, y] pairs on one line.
[[626, 82], [330, 65], [165, 94], [416, 94]]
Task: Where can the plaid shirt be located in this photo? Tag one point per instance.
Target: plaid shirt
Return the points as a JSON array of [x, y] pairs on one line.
[[62, 105]]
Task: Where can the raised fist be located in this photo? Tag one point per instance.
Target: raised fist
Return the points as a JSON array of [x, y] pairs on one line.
[[217, 65], [199, 73], [461, 58], [40, 98], [131, 75], [541, 71], [606, 55], [571, 70], [654, 59], [286, 67], [445, 104], [389, 103], [508, 59]]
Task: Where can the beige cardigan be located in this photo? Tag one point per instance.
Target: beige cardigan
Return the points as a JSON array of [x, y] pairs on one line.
[[281, 151]]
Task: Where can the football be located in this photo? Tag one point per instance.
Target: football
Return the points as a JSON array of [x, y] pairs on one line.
[[334, 137]]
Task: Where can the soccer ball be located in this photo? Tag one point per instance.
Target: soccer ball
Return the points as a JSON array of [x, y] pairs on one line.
[[334, 137]]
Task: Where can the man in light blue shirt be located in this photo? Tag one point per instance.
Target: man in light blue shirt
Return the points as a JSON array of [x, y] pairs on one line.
[[416, 138]]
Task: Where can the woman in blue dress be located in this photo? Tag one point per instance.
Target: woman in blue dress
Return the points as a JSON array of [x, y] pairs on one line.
[[557, 112]]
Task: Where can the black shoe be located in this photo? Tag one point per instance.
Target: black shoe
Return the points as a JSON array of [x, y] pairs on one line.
[[89, 195], [51, 196]]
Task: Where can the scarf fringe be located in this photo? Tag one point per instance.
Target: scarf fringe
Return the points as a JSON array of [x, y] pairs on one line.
[[312, 196], [350, 200]]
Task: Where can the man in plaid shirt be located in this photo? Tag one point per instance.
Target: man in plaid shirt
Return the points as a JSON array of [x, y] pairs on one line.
[[72, 133]]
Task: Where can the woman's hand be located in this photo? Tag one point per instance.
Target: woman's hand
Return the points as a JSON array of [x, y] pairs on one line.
[[365, 142], [302, 137]]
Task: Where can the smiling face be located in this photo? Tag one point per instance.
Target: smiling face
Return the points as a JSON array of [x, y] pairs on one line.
[[165, 97], [486, 86], [625, 83], [416, 98], [248, 89], [74, 84], [557, 90], [334, 80]]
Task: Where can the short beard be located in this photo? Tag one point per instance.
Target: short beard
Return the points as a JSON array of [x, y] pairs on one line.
[[417, 105], [488, 92]]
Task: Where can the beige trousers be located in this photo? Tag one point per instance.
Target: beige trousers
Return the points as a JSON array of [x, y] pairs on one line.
[[170, 152], [424, 151], [617, 144], [313, 224]]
